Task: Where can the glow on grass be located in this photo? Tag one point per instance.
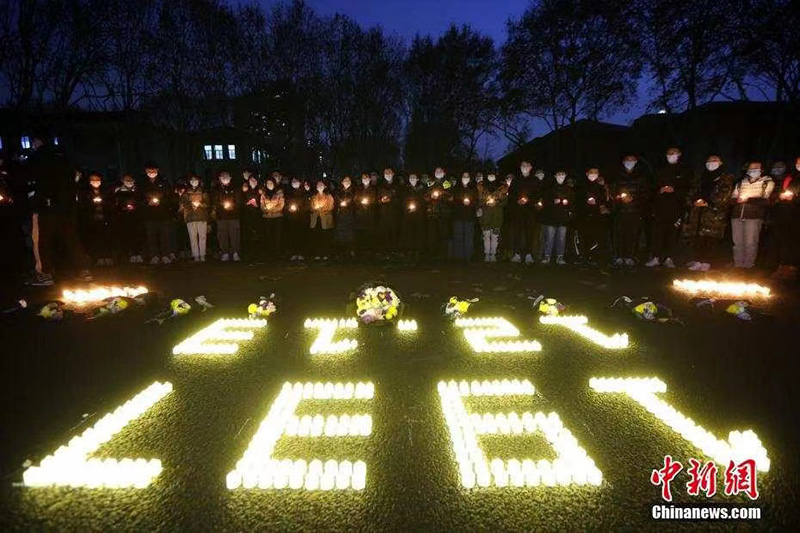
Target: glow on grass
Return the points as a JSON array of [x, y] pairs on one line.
[[324, 343], [220, 338], [571, 466], [259, 469], [69, 465], [721, 288], [580, 325], [741, 445], [86, 296], [478, 331], [407, 325]]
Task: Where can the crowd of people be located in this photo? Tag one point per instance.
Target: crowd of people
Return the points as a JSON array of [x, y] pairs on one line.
[[681, 213]]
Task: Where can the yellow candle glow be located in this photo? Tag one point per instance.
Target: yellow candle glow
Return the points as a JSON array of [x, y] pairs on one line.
[[154, 200], [490, 201], [96, 199], [412, 206], [466, 201], [436, 194], [227, 205], [293, 208], [364, 201], [196, 204]]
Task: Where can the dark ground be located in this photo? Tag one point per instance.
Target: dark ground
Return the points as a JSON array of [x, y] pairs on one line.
[[724, 374]]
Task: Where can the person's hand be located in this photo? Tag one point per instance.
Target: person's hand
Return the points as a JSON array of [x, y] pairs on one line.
[[787, 196], [251, 201], [740, 200], [700, 203], [666, 189], [591, 200], [522, 200]]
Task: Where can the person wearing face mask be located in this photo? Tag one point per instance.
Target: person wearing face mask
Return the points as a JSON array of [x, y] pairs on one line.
[[157, 199], [708, 212], [272, 203], [389, 212], [412, 227], [557, 201], [128, 222], [751, 196], [179, 236], [439, 215], [592, 211], [94, 217], [345, 221], [296, 214], [671, 183], [251, 221], [784, 223], [227, 206], [366, 216], [465, 202], [522, 198], [322, 221], [629, 193], [195, 206], [492, 196]]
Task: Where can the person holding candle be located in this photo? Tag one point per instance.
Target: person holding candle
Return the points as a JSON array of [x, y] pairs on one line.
[[671, 183], [322, 221], [128, 222], [557, 200], [227, 201], [296, 219], [195, 205], [492, 196], [592, 211], [94, 217], [523, 197], [629, 195], [708, 212], [344, 225], [272, 203], [389, 212], [784, 225], [252, 225], [465, 202], [365, 215], [412, 228], [157, 198], [751, 197], [439, 219]]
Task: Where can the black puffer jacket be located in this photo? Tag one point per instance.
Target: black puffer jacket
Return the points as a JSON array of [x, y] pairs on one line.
[[632, 186], [557, 206], [158, 199]]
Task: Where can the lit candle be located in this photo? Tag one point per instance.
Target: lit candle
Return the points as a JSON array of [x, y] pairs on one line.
[[365, 201], [343, 203], [490, 201], [436, 194], [590, 200], [129, 206], [787, 195], [523, 199], [196, 204], [466, 201], [412, 206], [227, 205], [96, 199], [564, 201], [539, 204], [385, 199], [293, 208], [623, 195], [154, 200]]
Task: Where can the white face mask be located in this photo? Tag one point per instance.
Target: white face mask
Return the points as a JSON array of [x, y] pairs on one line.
[[345, 184], [491, 177], [253, 183], [152, 175], [270, 185], [225, 181], [295, 185], [560, 178], [797, 166], [712, 165], [95, 184], [439, 175], [672, 158], [365, 181], [629, 164], [194, 183], [754, 173], [592, 177], [388, 177], [509, 180], [465, 181], [540, 176], [413, 181], [128, 184], [525, 171]]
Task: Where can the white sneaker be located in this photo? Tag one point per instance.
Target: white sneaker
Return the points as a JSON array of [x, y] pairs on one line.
[[618, 262], [236, 257], [155, 260], [139, 259], [225, 257], [630, 262], [202, 259], [300, 258], [528, 259], [516, 258], [545, 260], [705, 267], [692, 265], [196, 259], [493, 258], [654, 262], [317, 258], [668, 263], [166, 260], [560, 260], [109, 261], [132, 259], [324, 257], [487, 258]]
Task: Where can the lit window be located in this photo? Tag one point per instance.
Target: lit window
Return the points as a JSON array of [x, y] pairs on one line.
[[56, 141], [25, 141], [218, 151], [231, 151], [1, 143], [255, 155], [207, 151]]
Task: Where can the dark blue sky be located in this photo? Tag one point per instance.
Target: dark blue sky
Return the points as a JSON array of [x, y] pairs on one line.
[[407, 18]]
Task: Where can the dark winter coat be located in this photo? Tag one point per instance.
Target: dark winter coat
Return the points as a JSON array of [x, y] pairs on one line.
[[715, 188]]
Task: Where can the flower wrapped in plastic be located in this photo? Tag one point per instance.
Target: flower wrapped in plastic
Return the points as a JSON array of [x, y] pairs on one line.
[[264, 308], [377, 304], [53, 311], [177, 308], [646, 309], [456, 307], [741, 309], [110, 306], [548, 306]]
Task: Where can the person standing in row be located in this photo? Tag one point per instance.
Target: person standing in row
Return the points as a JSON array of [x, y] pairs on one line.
[[227, 201], [157, 200], [412, 228], [492, 196], [784, 218], [272, 201], [556, 198], [296, 220], [523, 195], [321, 221], [629, 194], [592, 211], [709, 209], [389, 210], [128, 218], [751, 194], [345, 224], [195, 205], [252, 240], [366, 216], [465, 201], [439, 219], [95, 211], [672, 182]]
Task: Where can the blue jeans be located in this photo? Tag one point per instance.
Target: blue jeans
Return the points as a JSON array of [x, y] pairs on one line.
[[553, 236], [463, 239]]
